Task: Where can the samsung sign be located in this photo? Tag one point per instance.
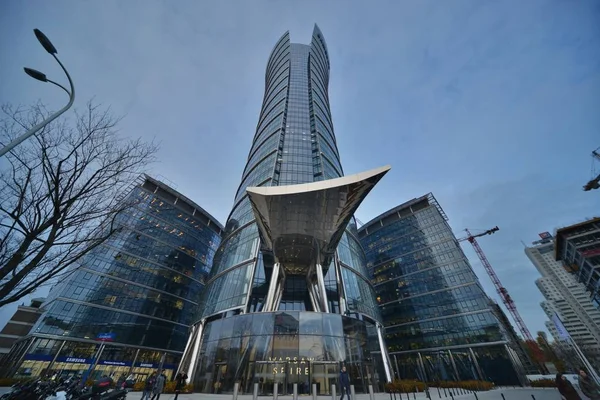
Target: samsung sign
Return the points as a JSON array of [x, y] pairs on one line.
[[76, 360]]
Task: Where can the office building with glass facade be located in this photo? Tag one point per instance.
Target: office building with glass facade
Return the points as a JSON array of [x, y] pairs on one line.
[[130, 302], [439, 324], [578, 247], [288, 299]]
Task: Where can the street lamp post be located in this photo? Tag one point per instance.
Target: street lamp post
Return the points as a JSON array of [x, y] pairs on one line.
[[49, 47]]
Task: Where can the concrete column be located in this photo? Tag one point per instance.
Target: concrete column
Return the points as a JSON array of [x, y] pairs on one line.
[[186, 349], [313, 298], [340, 285], [194, 356], [314, 391], [323, 292], [236, 389], [255, 392], [57, 354], [422, 366], [384, 354], [273, 286], [371, 395], [454, 365], [295, 394], [162, 361], [137, 353], [333, 393], [397, 368], [275, 390], [476, 363], [17, 364], [352, 392]]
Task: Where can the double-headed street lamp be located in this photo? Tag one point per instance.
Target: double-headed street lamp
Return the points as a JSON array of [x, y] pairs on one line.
[[45, 42]]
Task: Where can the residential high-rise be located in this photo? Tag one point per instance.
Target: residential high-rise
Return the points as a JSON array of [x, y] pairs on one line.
[[131, 300], [568, 298], [439, 324], [288, 299], [578, 247]]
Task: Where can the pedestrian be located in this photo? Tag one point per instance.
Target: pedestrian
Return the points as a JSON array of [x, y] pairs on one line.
[[344, 384], [566, 389], [180, 383], [587, 385], [159, 385], [148, 386]]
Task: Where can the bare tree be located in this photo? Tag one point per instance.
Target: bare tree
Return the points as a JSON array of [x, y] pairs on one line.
[[59, 193]]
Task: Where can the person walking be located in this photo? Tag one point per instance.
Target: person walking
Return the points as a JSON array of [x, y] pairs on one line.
[[159, 386], [180, 383], [566, 389], [344, 384], [148, 386], [587, 385]]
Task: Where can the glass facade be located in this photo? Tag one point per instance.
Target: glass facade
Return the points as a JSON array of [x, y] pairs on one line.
[[435, 312], [294, 143], [285, 348], [139, 289]]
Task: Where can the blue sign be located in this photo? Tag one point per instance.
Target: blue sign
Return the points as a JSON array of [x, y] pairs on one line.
[[106, 337], [74, 360], [116, 363]]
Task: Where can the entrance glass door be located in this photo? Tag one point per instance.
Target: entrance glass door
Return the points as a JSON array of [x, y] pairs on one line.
[[220, 373], [325, 374], [267, 374]]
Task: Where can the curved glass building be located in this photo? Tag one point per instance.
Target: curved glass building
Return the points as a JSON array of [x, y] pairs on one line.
[[288, 299], [128, 305], [439, 323]]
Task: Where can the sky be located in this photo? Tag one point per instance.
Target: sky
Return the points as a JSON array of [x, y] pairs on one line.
[[492, 106]]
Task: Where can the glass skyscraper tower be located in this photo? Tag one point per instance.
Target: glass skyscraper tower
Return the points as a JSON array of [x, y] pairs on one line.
[[288, 300]]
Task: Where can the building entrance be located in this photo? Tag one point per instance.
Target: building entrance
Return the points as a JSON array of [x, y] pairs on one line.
[[267, 374], [325, 374]]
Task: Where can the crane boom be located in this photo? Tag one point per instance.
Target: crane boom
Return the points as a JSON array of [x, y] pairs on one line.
[[506, 299]]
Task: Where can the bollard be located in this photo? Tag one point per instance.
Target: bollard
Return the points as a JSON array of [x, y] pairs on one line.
[[314, 391], [295, 395], [371, 396], [334, 395], [236, 388], [275, 387], [353, 395], [255, 393]]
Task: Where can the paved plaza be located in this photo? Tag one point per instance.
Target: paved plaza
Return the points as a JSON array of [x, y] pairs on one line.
[[509, 394]]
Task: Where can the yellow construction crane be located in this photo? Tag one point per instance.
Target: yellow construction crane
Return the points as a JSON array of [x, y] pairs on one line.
[[594, 183]]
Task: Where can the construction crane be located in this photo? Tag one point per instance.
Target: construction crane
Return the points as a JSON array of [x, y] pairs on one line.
[[506, 299], [594, 183]]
